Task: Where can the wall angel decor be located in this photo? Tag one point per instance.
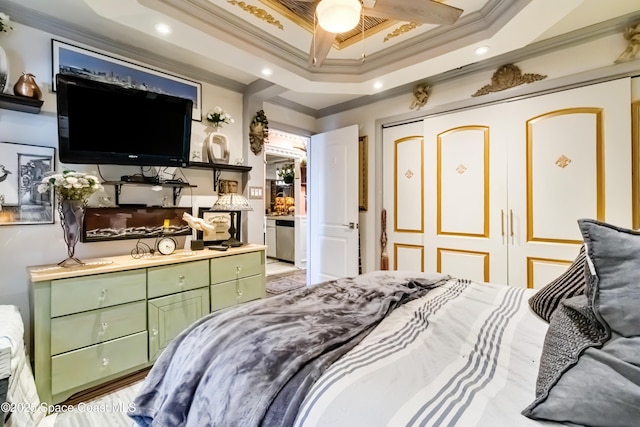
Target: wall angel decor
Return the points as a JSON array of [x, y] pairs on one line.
[[421, 94], [258, 132], [506, 77], [632, 35]]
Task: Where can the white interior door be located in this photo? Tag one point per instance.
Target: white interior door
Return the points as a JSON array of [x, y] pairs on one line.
[[466, 194], [569, 158], [403, 195], [332, 205]]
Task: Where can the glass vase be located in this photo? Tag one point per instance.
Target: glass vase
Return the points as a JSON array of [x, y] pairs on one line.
[[71, 220]]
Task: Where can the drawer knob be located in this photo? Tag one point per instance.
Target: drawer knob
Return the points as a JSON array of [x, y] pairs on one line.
[[103, 295], [181, 280], [103, 328], [105, 361], [239, 292], [154, 332]]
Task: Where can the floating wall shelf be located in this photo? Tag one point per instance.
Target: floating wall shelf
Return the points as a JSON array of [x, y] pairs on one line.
[[177, 187], [217, 169], [20, 103]]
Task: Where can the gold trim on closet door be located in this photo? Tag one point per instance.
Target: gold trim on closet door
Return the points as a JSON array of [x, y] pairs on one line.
[[411, 173], [599, 168], [487, 186], [407, 246], [635, 164], [486, 256], [532, 260]]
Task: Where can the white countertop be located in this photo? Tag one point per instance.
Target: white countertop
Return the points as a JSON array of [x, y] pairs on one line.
[[281, 217]]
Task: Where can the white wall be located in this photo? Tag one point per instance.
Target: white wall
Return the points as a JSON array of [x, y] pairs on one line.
[[29, 50], [558, 66]]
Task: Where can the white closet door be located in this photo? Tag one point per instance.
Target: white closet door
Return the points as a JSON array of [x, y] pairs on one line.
[[569, 158], [403, 195], [466, 194]]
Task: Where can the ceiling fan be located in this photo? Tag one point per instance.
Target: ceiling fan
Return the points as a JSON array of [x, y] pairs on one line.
[[331, 13]]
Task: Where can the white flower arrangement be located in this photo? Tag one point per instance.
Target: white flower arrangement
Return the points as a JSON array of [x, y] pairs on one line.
[[70, 185], [217, 117], [4, 23]]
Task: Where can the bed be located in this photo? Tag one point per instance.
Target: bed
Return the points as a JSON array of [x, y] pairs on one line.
[[21, 392], [411, 349]]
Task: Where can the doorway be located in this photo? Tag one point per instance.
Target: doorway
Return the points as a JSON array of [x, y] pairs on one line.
[[285, 203]]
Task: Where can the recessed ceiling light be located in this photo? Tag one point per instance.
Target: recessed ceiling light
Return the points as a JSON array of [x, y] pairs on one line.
[[481, 50], [377, 85], [266, 71], [162, 28]]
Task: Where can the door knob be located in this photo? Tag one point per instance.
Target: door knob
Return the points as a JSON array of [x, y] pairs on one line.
[[351, 225]]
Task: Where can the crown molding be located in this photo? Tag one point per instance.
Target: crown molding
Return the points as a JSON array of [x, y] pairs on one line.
[[580, 36], [79, 34]]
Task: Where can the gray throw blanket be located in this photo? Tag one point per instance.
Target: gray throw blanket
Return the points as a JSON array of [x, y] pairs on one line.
[[252, 365]]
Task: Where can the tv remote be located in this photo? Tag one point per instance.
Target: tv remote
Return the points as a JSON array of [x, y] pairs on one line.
[[218, 248]]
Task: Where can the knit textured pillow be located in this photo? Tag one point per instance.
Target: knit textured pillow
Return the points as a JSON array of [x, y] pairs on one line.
[[567, 285]]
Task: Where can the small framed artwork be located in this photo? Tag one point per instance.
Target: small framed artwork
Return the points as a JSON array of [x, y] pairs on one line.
[[363, 196], [222, 221], [22, 168], [88, 63]]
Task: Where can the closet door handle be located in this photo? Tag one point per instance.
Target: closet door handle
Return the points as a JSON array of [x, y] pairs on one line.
[[502, 221], [511, 226]]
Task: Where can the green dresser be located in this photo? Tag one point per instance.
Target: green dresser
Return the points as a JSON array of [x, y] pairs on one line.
[[115, 315]]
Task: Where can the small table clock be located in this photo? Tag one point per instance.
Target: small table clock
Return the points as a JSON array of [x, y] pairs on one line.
[[166, 245]]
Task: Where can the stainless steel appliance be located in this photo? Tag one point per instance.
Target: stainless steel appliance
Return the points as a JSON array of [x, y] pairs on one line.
[[285, 240]]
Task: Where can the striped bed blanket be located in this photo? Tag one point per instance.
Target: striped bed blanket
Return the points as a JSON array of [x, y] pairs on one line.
[[457, 353], [466, 354]]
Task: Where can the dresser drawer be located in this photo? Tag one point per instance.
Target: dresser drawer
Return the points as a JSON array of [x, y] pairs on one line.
[[223, 295], [169, 279], [230, 293], [233, 267], [79, 294], [89, 364], [251, 288], [171, 314], [92, 327]]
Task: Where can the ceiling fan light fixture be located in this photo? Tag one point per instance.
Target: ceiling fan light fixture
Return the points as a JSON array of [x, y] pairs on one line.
[[338, 16]]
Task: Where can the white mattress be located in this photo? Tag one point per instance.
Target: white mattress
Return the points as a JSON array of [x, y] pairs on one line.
[[22, 387]]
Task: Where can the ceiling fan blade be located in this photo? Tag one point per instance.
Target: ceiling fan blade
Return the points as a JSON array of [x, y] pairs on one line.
[[323, 42], [420, 11]]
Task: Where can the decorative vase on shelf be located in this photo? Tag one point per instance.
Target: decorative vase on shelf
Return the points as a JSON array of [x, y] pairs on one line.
[[71, 219], [26, 86], [215, 147]]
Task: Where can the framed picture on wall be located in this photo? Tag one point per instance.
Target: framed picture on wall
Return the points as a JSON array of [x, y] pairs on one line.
[[83, 62], [222, 221], [22, 168]]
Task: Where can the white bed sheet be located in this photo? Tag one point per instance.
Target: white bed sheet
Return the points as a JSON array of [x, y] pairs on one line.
[[467, 354], [22, 387]]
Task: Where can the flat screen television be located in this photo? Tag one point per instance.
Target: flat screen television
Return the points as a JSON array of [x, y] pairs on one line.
[[104, 123]]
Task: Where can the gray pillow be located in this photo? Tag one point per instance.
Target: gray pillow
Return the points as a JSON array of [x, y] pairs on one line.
[[568, 284], [590, 365]]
